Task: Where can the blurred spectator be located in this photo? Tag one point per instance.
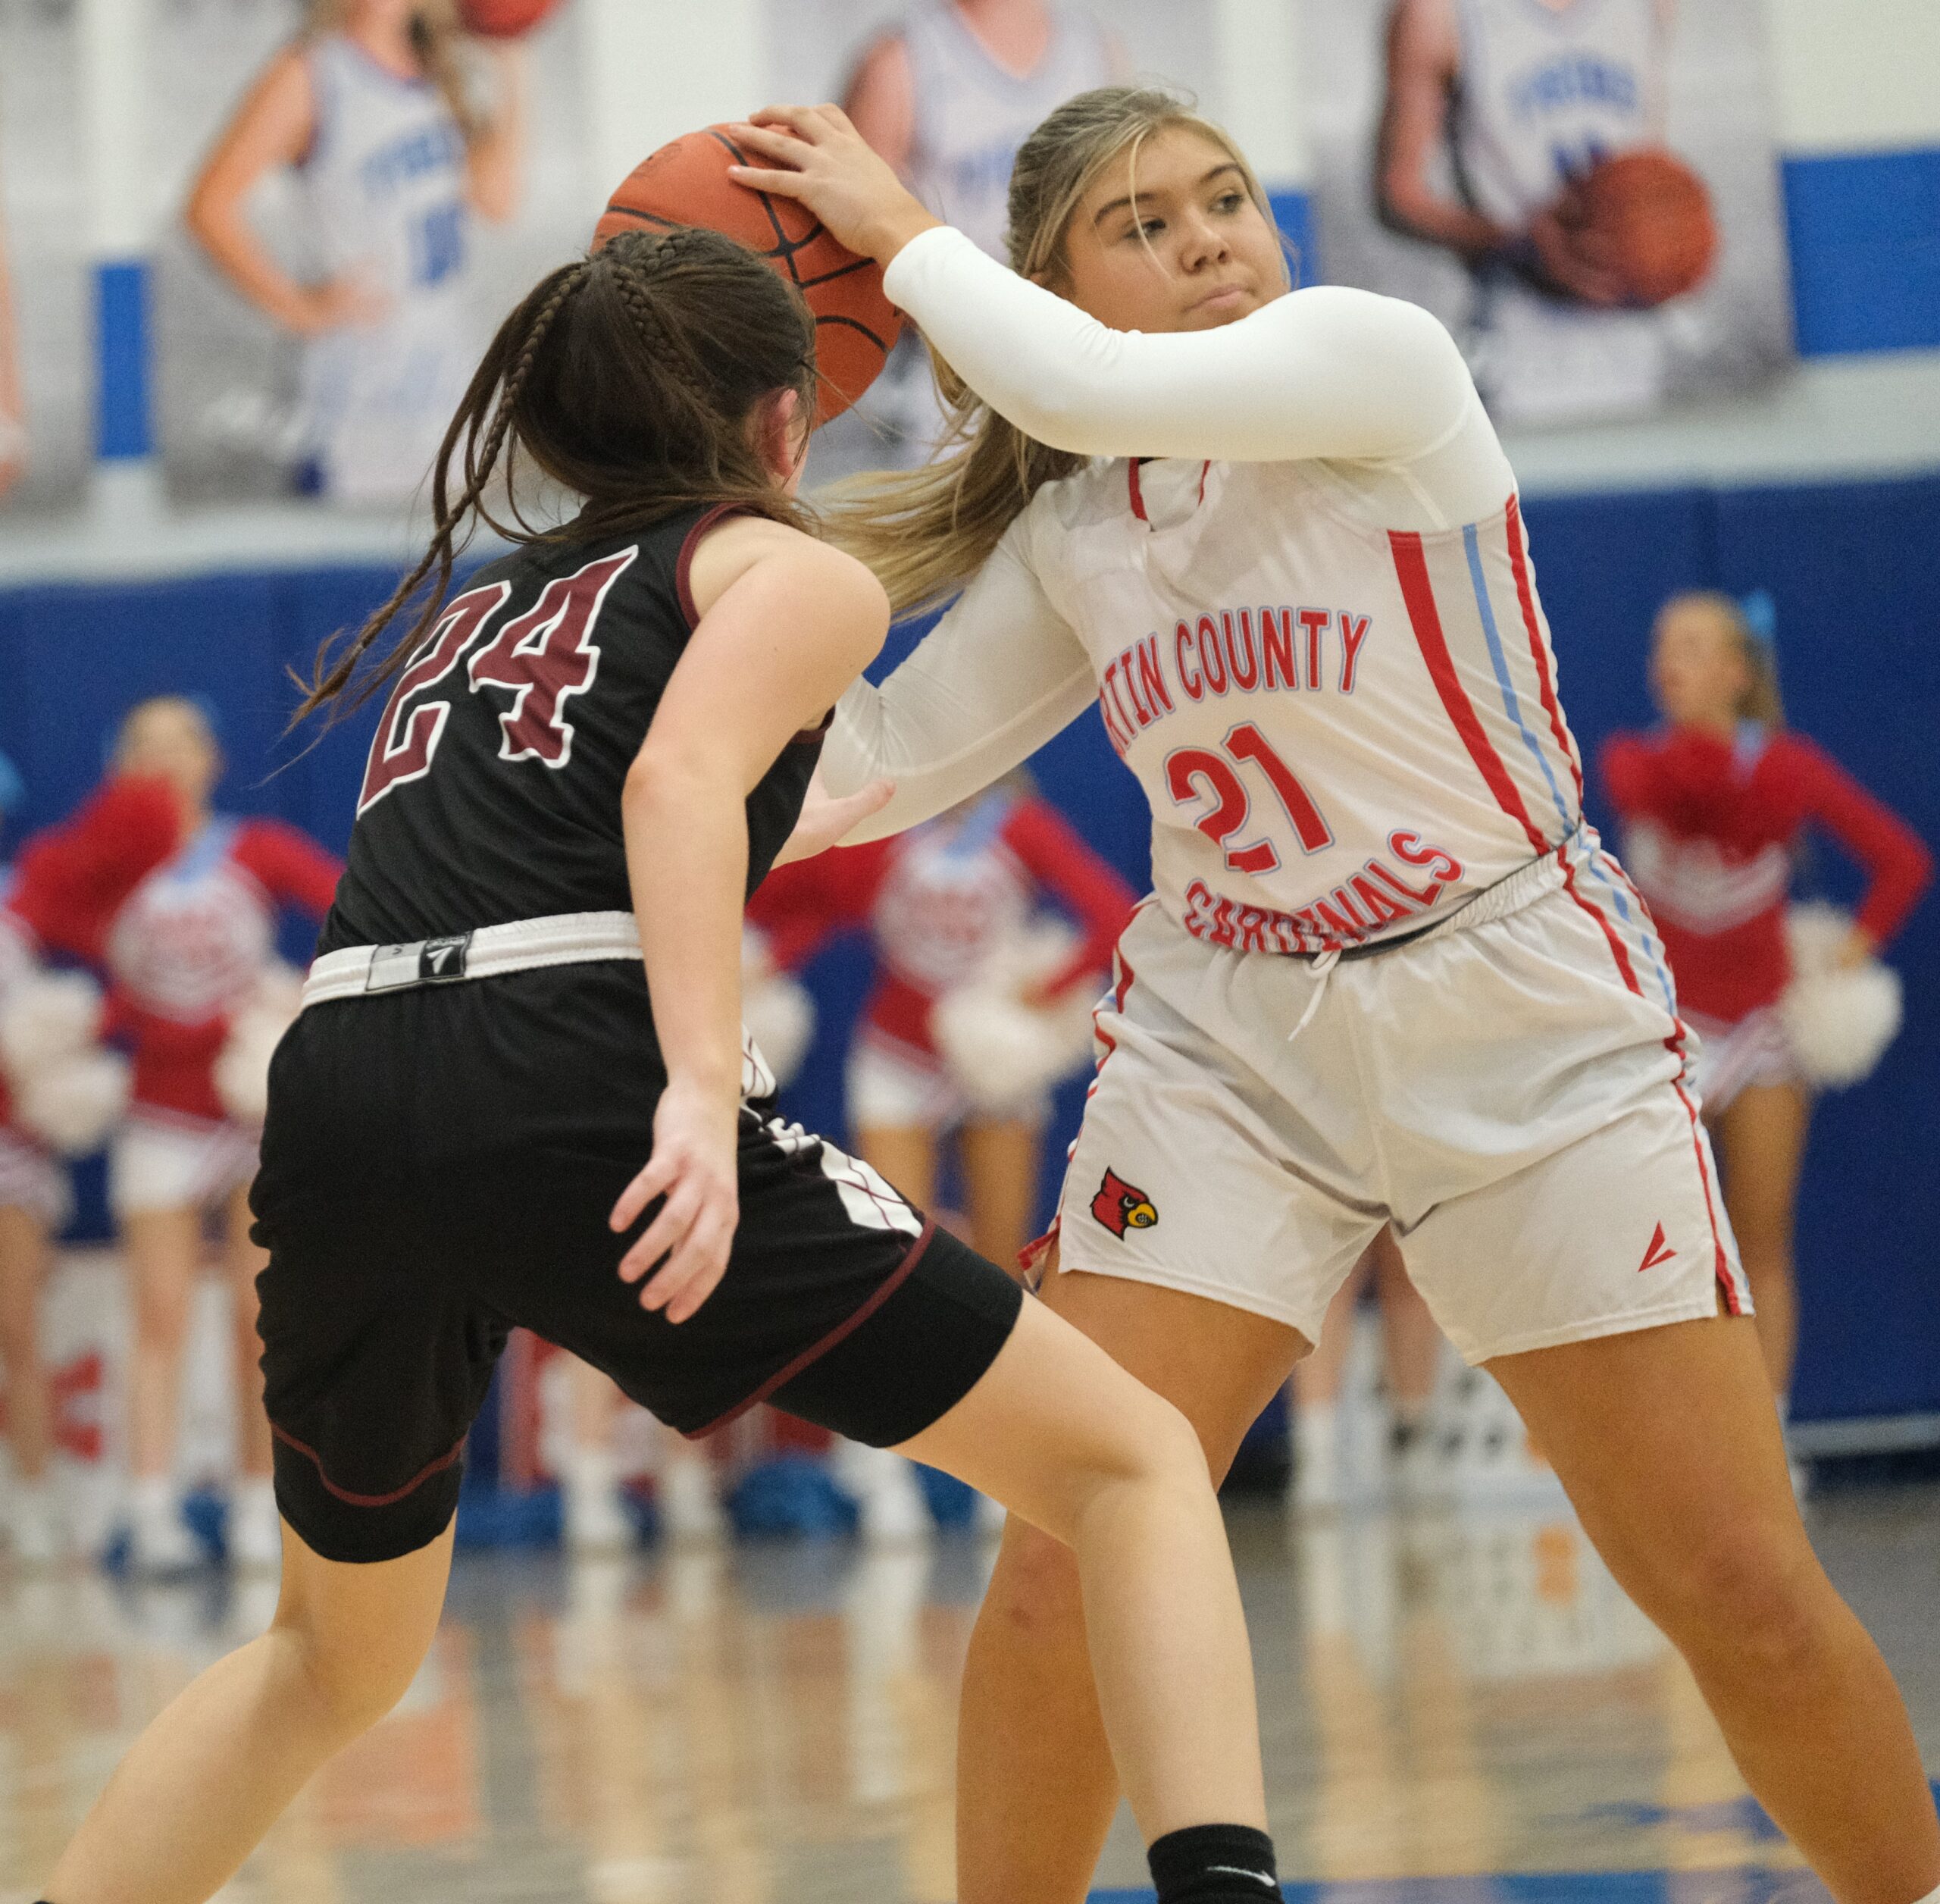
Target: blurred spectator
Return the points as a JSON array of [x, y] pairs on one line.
[[12, 410], [189, 957], [34, 1204], [1713, 804], [371, 107], [68, 880], [947, 96], [948, 906]]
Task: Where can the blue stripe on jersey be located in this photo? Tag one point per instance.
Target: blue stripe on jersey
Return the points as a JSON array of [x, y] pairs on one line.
[[1499, 658], [1637, 927]]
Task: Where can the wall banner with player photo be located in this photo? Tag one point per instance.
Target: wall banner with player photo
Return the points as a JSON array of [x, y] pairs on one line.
[[948, 92], [1586, 191]]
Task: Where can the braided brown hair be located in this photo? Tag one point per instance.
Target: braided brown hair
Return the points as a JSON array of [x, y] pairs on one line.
[[629, 378]]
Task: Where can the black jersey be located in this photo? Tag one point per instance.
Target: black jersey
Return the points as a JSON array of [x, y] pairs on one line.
[[492, 792]]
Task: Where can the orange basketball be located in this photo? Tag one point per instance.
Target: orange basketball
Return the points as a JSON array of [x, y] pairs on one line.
[[504, 19], [1652, 216], [687, 183]]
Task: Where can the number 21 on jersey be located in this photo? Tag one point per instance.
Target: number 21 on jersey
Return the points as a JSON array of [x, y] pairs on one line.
[[542, 658]]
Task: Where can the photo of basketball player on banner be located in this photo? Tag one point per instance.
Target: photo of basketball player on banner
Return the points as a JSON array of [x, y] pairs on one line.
[[1584, 190]]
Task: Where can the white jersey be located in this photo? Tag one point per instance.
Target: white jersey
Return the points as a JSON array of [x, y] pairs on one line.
[[384, 185], [972, 114], [1344, 732], [1547, 89], [1324, 656]]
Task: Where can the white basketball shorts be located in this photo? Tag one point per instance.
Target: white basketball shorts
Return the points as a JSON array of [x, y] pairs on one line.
[[172, 1163], [1509, 1092]]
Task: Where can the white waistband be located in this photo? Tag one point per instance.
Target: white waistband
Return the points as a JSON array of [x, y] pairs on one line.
[[1523, 887], [564, 938]]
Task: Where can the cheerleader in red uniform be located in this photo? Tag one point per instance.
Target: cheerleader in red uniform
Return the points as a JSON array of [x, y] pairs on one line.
[[1713, 805], [68, 882], [185, 954], [945, 905]]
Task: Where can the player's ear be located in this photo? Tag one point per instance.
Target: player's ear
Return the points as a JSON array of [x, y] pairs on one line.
[[781, 434]]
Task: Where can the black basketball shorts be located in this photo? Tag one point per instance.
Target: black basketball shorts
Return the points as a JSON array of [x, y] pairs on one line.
[[438, 1165]]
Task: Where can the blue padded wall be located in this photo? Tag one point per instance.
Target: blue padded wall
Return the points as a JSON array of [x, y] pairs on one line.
[[1846, 564]]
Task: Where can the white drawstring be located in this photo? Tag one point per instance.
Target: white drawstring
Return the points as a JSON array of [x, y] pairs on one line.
[[1322, 969]]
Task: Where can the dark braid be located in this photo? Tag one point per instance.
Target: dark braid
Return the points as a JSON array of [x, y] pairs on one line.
[[628, 377]]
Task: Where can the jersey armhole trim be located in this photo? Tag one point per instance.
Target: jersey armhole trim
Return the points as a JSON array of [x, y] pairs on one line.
[[684, 567]]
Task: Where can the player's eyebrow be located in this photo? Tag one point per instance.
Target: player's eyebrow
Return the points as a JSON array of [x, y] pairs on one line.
[[1125, 203]]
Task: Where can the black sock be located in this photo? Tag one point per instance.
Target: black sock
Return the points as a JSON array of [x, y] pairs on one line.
[[1214, 1864]]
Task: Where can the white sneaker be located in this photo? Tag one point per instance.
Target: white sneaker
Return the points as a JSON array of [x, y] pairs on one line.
[[890, 1506], [255, 1528], [690, 1510], [160, 1542], [1317, 1478], [594, 1520], [35, 1527]]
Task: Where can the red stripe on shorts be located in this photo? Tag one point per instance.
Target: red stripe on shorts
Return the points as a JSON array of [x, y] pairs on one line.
[[840, 1333], [411, 1487]]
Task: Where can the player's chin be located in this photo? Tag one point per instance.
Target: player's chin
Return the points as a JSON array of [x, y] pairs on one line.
[[1213, 314]]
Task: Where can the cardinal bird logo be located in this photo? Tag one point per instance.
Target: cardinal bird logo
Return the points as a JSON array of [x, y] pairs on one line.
[[1121, 1206]]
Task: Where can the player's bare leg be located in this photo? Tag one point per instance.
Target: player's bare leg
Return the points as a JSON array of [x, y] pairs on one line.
[[24, 1252], [221, 1761], [1668, 1443], [1075, 1448], [1036, 1784], [1000, 1169], [1761, 1140], [163, 1249]]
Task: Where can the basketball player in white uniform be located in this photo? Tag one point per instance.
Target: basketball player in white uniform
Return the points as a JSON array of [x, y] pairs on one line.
[[1523, 97], [13, 412], [947, 98], [391, 175], [1388, 973]]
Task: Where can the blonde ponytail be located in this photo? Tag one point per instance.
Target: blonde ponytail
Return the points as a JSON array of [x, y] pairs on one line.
[[926, 532]]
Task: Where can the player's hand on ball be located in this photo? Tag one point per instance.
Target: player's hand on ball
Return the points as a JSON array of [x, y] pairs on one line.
[[816, 157], [693, 1167], [1568, 256], [826, 821]]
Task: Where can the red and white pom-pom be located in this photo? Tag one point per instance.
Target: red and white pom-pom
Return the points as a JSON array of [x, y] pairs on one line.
[[1838, 1020], [241, 1070], [1001, 1053], [71, 1104], [47, 1017]]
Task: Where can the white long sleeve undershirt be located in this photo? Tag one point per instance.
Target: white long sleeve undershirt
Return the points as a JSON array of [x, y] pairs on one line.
[[1370, 392]]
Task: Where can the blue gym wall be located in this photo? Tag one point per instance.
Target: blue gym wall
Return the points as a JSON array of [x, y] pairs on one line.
[[1848, 565]]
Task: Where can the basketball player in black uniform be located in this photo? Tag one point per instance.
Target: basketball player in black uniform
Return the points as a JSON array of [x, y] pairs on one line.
[[530, 981]]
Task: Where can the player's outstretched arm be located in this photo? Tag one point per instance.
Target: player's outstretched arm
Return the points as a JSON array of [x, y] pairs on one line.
[[786, 624], [1328, 372], [996, 678]]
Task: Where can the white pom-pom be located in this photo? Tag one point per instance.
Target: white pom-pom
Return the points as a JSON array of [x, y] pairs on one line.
[[241, 1070], [48, 1017], [72, 1103], [1839, 1019], [1001, 1053], [779, 1016]]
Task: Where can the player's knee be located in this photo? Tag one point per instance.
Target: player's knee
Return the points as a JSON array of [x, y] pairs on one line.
[[353, 1682], [1035, 1592], [1752, 1599]]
